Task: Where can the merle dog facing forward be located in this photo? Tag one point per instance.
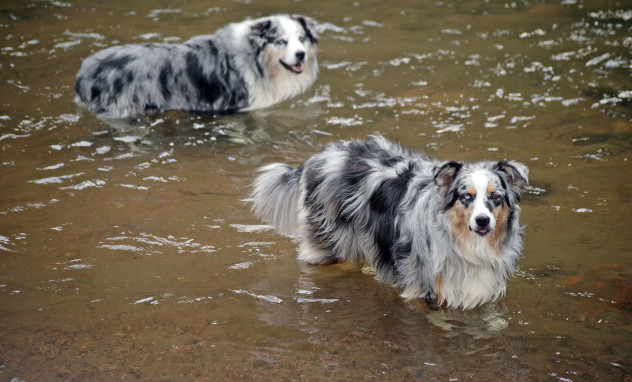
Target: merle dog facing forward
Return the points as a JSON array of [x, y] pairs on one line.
[[448, 232], [244, 66]]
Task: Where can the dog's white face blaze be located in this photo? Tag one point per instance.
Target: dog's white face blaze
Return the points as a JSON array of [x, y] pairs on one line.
[[481, 204], [292, 45]]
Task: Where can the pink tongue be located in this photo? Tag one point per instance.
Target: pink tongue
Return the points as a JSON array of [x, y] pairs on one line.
[[482, 230], [297, 67]]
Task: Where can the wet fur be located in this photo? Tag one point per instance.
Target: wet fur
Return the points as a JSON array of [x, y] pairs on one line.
[[237, 68], [405, 214]]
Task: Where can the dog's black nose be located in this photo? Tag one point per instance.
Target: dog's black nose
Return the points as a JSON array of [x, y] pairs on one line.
[[300, 55], [482, 221]]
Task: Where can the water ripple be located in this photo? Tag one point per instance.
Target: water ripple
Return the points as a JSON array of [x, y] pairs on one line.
[[151, 244]]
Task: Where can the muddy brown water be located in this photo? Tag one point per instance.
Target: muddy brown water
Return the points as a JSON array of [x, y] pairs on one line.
[[128, 251]]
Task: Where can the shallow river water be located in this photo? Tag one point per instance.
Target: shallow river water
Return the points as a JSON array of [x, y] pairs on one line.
[[128, 251]]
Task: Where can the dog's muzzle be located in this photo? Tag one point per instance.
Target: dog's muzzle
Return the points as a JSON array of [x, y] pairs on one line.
[[296, 68], [482, 225]]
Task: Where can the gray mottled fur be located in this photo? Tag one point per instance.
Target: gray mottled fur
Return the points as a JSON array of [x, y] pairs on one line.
[[377, 202]]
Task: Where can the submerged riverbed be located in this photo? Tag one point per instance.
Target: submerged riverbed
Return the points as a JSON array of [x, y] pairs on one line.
[[128, 251]]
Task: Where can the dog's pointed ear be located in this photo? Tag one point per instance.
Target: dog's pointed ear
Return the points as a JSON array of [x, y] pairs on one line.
[[258, 32], [445, 175], [517, 175], [260, 28], [309, 25]]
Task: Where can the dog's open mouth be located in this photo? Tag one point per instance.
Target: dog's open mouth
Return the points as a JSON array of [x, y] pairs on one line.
[[482, 231], [296, 68]]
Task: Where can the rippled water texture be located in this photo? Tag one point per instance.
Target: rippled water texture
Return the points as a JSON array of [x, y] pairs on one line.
[[128, 251]]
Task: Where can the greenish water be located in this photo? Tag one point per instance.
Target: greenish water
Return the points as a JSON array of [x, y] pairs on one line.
[[128, 251]]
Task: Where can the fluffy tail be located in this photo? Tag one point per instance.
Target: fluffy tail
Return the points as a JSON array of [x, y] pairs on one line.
[[275, 196]]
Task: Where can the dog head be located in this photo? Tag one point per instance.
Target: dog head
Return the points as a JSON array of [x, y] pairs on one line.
[[286, 42], [481, 196]]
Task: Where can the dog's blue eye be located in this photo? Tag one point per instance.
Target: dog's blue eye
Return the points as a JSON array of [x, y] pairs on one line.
[[302, 39], [281, 42], [466, 197]]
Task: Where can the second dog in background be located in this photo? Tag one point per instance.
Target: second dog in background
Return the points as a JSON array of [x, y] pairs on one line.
[[244, 66]]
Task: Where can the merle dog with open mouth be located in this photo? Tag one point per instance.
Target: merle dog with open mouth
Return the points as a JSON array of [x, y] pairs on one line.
[[445, 231], [244, 66]]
